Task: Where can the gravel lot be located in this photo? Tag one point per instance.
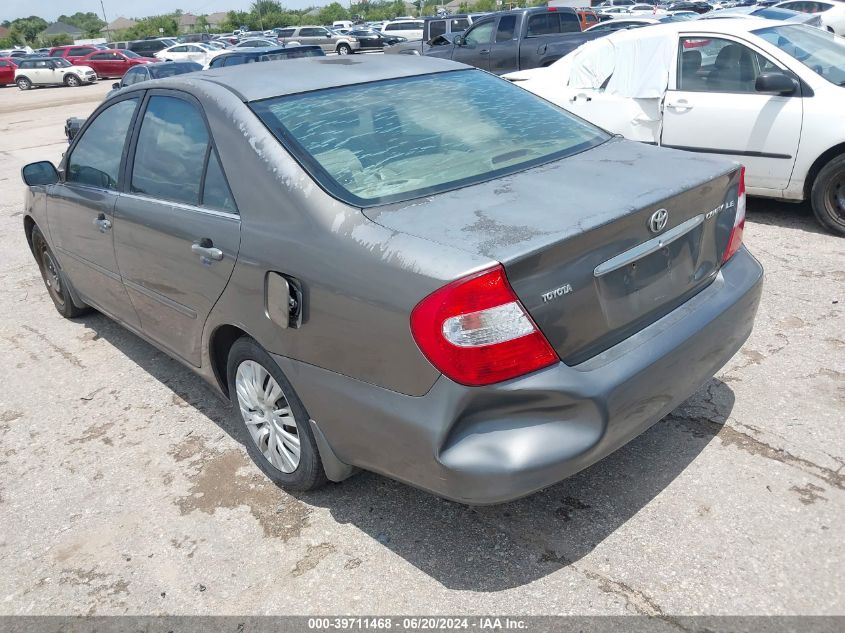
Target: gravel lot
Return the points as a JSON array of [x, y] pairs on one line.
[[123, 492]]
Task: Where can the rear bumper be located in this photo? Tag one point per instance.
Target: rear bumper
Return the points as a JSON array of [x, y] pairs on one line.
[[493, 444]]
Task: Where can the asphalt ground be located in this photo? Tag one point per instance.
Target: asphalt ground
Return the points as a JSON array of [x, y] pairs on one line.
[[122, 490]]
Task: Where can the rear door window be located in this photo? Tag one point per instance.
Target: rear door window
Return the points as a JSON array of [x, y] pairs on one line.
[[95, 159], [506, 28], [436, 27], [171, 151], [553, 22]]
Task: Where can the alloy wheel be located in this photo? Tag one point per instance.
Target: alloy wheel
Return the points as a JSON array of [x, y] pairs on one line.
[[268, 416]]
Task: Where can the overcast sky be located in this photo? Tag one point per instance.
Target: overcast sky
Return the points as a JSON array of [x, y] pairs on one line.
[[51, 9]]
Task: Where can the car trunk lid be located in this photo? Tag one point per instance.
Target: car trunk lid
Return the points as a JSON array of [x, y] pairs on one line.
[[596, 246]]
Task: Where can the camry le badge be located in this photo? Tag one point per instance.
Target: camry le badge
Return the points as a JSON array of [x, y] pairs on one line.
[[658, 220]]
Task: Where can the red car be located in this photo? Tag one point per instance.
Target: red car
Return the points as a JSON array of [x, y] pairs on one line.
[[112, 63], [7, 70], [71, 53]]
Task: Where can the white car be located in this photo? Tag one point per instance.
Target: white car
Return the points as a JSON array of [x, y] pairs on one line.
[[646, 10], [832, 14], [766, 94], [188, 53], [615, 12], [409, 29], [52, 71]]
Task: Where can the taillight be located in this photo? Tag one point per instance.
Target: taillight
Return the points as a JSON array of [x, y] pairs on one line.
[[476, 332], [735, 240]]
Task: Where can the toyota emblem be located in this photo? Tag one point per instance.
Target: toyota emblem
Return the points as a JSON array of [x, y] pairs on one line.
[[657, 221]]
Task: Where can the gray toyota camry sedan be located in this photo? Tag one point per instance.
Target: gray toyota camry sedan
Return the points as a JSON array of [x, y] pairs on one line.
[[401, 264]]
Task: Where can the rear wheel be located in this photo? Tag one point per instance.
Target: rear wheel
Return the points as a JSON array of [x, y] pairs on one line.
[[54, 277], [72, 81], [343, 49], [274, 424], [23, 83], [828, 195]]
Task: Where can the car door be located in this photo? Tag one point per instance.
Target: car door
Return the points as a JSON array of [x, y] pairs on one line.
[[504, 51], [40, 72], [7, 72], [320, 37], [195, 53], [712, 106], [475, 48], [100, 62], [81, 206], [178, 230], [177, 53], [116, 65]]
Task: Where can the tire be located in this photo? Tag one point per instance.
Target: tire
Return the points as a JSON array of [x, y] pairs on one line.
[[828, 196], [54, 277], [344, 49], [249, 365], [73, 81], [23, 83]]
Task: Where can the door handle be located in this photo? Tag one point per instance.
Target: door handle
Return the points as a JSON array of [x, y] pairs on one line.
[[102, 222], [205, 249], [484, 51], [680, 104]]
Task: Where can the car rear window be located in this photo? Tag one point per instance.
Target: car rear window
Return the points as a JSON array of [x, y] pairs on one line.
[[552, 23], [381, 142]]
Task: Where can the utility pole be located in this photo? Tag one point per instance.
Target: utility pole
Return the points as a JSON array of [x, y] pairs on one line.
[[106, 20]]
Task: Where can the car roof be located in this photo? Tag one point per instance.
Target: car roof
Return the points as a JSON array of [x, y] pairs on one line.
[[252, 82], [256, 50], [729, 26]]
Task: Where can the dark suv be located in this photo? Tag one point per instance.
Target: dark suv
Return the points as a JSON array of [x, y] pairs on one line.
[[248, 56], [148, 48]]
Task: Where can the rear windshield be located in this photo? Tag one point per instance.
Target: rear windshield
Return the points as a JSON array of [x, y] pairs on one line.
[[387, 141]]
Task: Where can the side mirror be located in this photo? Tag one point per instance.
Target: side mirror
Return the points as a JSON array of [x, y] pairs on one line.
[[41, 173], [115, 85], [775, 84], [459, 40]]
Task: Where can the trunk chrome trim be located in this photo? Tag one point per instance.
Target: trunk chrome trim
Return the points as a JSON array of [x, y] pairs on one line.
[[647, 248]]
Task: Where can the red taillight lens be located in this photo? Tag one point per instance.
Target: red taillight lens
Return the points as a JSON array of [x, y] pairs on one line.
[[476, 332], [735, 240]]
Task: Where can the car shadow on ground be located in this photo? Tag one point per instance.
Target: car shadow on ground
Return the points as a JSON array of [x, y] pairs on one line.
[[482, 548], [788, 215]]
